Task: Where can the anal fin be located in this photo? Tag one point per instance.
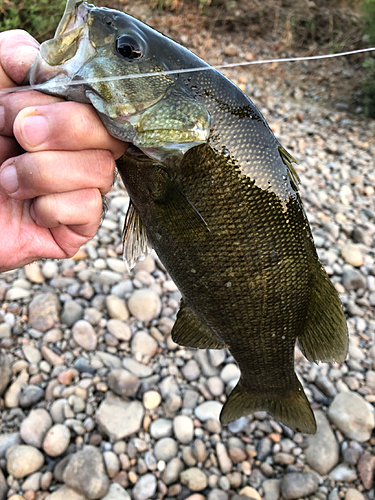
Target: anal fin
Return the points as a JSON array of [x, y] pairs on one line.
[[325, 337], [290, 407], [189, 331]]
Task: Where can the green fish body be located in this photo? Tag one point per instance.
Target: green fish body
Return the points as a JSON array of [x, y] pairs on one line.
[[215, 194]]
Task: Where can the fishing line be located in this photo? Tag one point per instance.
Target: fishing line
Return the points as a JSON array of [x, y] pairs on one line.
[[184, 70]]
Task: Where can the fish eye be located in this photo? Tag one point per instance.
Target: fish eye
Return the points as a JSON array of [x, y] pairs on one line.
[[128, 47]]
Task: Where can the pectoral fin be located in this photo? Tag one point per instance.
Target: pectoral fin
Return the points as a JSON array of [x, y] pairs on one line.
[[291, 408], [136, 243], [189, 331], [325, 337], [174, 206]]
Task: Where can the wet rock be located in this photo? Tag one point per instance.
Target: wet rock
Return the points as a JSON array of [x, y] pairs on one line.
[[23, 460], [44, 311], [322, 451], [56, 440], [145, 487], [144, 304], [297, 485], [195, 479], [35, 426], [84, 334], [352, 415], [85, 473], [119, 418]]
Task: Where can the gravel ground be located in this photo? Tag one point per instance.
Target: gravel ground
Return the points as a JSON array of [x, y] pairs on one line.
[[97, 401]]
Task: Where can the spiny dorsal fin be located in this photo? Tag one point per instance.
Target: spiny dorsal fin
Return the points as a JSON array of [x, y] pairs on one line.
[[325, 337], [189, 331], [291, 408], [136, 243]]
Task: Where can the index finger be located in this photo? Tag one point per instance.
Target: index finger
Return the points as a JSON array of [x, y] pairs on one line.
[[18, 50]]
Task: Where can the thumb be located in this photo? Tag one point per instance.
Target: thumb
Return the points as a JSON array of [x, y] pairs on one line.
[[18, 50]]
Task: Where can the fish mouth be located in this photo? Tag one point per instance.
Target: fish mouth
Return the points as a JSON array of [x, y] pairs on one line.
[[61, 57]]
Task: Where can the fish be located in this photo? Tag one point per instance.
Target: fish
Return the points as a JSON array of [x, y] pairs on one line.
[[215, 194]]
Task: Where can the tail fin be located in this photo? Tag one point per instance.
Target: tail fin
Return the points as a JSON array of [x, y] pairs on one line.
[[325, 336], [291, 408]]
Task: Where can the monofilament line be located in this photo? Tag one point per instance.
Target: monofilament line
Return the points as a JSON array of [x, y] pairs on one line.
[[187, 70]]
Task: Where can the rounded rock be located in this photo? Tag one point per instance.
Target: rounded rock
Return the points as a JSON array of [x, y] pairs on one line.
[[165, 449], [57, 440], [161, 428], [144, 304], [84, 334], [352, 415], [183, 428], [297, 485], [151, 400], [123, 383], [35, 426], [144, 345], [195, 479], [322, 452], [23, 460], [145, 487], [208, 410]]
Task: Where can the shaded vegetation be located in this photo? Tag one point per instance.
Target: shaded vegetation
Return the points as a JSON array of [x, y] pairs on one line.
[[369, 86]]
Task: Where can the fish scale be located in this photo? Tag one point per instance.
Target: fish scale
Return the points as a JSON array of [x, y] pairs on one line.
[[215, 194]]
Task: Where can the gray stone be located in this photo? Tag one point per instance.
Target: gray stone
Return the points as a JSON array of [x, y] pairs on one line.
[[8, 440], [172, 471], [165, 449], [183, 428], [195, 479], [44, 311], [85, 473], [297, 485], [144, 304], [144, 345], [145, 487], [224, 460], [343, 473], [32, 354], [65, 493], [271, 489], [118, 418], [17, 293], [5, 371], [123, 383], [32, 482], [322, 452], [207, 410], [191, 370], [116, 492], [23, 460], [138, 369], [5, 331], [71, 313], [116, 308], [3, 486], [13, 393], [35, 426], [84, 334], [160, 428], [56, 440], [112, 463], [352, 279], [31, 395], [352, 415], [119, 329]]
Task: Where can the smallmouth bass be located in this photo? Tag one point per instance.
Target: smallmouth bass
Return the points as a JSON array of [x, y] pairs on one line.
[[215, 194]]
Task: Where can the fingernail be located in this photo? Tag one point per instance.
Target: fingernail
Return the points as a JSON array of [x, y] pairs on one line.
[[2, 117], [35, 130], [9, 179]]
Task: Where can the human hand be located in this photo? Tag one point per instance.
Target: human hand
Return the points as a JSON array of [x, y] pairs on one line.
[[56, 162]]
